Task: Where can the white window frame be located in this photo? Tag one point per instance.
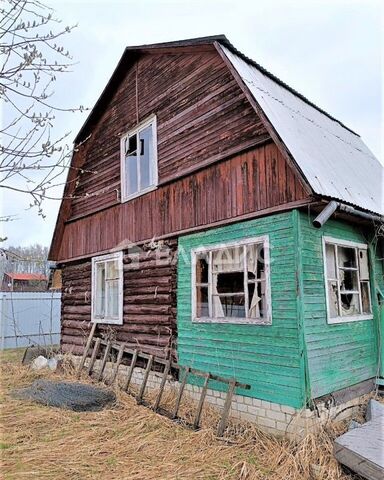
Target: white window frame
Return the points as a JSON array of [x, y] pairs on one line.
[[152, 120], [102, 259], [350, 244], [267, 320]]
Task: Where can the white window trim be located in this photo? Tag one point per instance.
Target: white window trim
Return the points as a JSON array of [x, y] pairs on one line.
[[104, 258], [233, 320], [150, 120], [343, 243]]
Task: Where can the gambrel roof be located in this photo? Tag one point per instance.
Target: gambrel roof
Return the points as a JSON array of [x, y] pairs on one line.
[[333, 159]]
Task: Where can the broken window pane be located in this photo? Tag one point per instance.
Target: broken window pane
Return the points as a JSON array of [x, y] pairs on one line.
[[202, 309], [350, 304], [365, 297], [333, 299], [229, 306], [140, 157], [256, 298], [131, 145], [202, 268], [331, 261], [146, 153], [236, 277], [348, 280], [347, 257], [255, 262], [363, 265], [232, 282]]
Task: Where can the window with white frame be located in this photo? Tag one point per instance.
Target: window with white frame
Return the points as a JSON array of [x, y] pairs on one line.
[[139, 160], [107, 288], [347, 281], [230, 283]]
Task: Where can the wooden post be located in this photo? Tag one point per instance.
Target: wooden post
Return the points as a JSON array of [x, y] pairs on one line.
[[226, 409], [180, 394], [86, 349], [104, 362], [162, 384], [130, 371], [201, 401], [140, 396], [118, 361], [95, 351]]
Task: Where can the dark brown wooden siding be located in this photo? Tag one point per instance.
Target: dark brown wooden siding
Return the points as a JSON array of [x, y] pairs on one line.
[[149, 303], [256, 180], [201, 114]]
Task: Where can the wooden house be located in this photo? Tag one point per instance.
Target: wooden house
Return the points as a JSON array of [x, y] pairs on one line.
[[214, 214]]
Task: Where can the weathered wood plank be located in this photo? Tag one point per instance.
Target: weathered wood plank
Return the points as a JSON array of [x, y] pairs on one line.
[[130, 371], [86, 349], [226, 408], [201, 401], [140, 395], [95, 351]]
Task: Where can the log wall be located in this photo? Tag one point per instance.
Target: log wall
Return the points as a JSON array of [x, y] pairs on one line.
[[149, 320]]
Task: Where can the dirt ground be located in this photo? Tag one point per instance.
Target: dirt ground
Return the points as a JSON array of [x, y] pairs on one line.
[[132, 442]]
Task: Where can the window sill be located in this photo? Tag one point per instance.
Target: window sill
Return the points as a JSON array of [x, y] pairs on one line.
[[139, 194], [108, 321], [233, 320], [355, 318]]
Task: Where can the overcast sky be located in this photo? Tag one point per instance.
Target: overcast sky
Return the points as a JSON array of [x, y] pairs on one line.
[[330, 51]]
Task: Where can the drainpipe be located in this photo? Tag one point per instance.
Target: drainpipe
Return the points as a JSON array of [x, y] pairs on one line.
[[331, 208], [325, 214]]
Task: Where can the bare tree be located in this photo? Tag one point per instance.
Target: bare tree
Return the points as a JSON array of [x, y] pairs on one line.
[[31, 159]]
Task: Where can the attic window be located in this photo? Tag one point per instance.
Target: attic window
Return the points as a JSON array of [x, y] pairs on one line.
[[139, 160], [347, 281], [231, 283]]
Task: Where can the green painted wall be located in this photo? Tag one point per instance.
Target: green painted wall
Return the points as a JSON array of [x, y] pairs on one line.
[[269, 358], [339, 355]]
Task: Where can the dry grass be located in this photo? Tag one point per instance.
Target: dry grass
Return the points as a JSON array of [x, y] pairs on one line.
[[132, 442]]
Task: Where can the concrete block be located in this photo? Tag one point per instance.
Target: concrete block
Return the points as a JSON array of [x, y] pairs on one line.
[[257, 411], [256, 402], [276, 407], [267, 422], [278, 416], [288, 410]]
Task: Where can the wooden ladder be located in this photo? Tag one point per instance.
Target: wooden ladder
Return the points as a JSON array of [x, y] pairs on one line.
[[167, 367]]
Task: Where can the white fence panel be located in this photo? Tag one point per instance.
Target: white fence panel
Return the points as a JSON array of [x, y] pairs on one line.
[[29, 318]]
